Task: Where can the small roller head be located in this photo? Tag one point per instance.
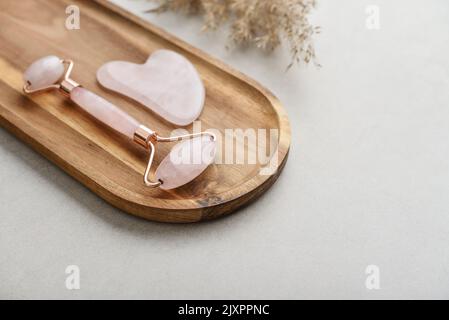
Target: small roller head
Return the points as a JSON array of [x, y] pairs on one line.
[[44, 72]]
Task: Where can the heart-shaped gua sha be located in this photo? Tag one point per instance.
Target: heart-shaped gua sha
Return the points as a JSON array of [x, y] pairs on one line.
[[167, 83]]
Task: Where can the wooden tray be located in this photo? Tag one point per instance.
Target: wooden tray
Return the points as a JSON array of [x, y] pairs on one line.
[[99, 158]]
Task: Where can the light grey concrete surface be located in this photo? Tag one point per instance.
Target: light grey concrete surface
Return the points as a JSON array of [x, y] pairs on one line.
[[367, 182]]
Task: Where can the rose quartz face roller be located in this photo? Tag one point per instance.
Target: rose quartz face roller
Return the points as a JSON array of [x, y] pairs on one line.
[[186, 161]]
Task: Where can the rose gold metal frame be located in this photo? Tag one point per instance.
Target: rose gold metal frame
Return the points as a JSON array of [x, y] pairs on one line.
[[148, 138], [66, 85], [143, 136]]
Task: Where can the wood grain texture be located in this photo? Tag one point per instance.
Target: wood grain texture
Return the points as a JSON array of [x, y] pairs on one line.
[[97, 157]]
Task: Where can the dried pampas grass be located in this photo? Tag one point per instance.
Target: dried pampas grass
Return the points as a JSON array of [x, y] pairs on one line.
[[263, 23]]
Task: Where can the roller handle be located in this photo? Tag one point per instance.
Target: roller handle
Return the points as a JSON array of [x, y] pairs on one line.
[[104, 111]]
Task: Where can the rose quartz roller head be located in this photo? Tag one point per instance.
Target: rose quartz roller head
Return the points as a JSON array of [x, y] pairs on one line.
[[186, 161]]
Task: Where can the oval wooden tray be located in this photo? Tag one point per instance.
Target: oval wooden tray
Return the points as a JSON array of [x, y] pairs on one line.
[[99, 158]]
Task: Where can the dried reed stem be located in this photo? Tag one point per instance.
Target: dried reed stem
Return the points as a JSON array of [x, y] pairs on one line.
[[263, 23]]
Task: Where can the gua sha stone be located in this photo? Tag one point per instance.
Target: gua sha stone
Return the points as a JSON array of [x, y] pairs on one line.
[[186, 161], [167, 83]]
